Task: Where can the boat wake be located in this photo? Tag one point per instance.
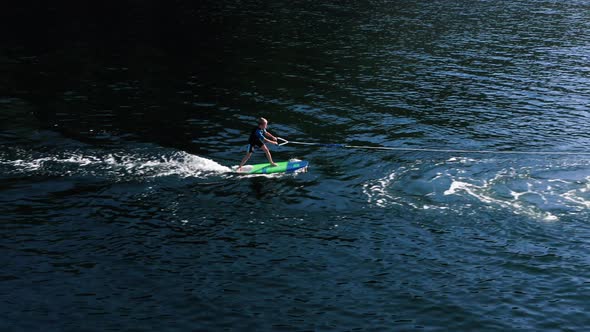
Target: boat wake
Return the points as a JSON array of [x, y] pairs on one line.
[[464, 186]]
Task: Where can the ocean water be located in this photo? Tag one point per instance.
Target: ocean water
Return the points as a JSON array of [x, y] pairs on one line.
[[120, 129]]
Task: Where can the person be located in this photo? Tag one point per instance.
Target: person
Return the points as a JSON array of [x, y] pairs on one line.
[[258, 137]]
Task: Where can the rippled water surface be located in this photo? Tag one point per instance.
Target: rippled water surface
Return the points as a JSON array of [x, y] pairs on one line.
[[120, 130]]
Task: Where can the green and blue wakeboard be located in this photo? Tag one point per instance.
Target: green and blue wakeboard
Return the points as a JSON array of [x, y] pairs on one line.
[[282, 167]]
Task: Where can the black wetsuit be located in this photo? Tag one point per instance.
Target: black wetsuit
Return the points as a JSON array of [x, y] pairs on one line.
[[256, 138]]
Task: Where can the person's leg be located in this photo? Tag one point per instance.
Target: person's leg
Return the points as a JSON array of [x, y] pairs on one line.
[[246, 157], [268, 156]]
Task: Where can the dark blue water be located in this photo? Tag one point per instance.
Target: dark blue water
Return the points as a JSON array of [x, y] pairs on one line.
[[119, 128]]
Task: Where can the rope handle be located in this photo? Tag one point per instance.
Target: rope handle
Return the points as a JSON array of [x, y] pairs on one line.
[[284, 141]]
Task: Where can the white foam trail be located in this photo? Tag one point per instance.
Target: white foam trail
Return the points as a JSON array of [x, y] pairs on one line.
[[117, 164], [187, 165]]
